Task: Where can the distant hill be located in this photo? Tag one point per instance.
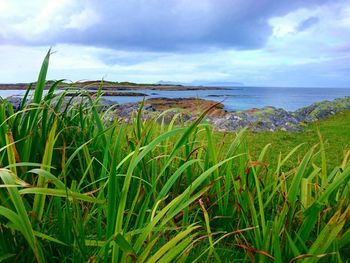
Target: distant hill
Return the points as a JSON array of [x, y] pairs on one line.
[[162, 82], [217, 83], [203, 83]]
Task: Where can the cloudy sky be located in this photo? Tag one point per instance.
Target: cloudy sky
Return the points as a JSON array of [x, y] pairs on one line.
[[257, 42]]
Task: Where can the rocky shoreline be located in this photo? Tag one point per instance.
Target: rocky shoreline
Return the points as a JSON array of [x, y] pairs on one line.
[[264, 119]]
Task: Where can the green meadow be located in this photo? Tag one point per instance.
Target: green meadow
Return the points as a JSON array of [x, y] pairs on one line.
[[75, 188]]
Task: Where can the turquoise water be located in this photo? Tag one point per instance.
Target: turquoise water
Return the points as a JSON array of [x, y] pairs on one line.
[[238, 98]]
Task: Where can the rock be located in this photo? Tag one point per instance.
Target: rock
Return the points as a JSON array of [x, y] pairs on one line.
[[194, 106], [323, 109], [265, 119], [15, 101]]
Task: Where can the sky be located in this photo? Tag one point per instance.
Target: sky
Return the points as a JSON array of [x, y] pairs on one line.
[[284, 43]]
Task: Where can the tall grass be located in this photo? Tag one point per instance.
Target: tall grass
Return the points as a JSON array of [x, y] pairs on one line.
[[75, 187]]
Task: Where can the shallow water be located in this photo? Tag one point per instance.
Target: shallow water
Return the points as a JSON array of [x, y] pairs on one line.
[[238, 98]]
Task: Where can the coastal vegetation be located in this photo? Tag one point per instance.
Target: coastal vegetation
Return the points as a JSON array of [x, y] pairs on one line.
[[75, 188]]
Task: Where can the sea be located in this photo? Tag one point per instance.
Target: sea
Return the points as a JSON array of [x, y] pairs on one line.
[[236, 98]]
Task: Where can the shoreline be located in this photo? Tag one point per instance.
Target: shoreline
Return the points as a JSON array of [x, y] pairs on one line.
[[267, 118]]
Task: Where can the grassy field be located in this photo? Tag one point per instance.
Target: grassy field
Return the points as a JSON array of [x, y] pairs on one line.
[[334, 131], [76, 189]]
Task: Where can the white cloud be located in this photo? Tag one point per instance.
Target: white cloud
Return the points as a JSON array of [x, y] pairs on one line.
[[250, 67], [31, 20], [3, 6], [344, 20], [83, 20], [288, 24]]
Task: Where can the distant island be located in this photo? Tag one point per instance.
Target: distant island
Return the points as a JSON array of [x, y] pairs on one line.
[[204, 83], [115, 86]]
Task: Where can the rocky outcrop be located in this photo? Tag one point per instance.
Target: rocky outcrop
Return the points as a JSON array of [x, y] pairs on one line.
[[265, 119], [321, 110], [15, 101], [192, 106]]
